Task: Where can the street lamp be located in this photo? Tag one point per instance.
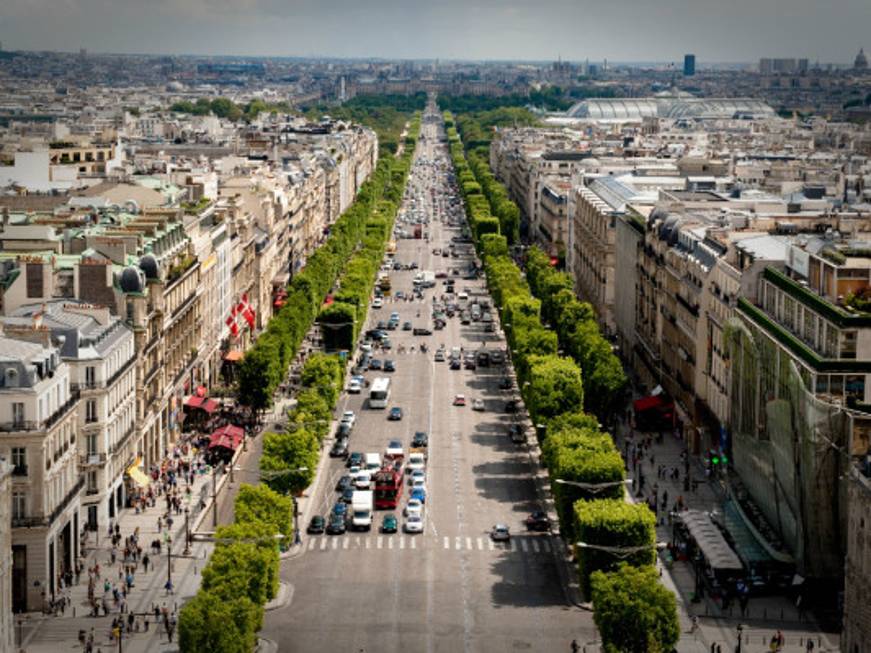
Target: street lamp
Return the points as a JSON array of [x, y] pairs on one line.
[[594, 487], [187, 531], [168, 562], [740, 634]]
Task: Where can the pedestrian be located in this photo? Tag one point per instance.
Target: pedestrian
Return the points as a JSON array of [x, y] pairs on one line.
[[145, 561], [575, 647]]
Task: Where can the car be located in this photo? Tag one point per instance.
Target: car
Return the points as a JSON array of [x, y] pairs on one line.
[[462, 295], [343, 431], [395, 414], [355, 387], [406, 326], [339, 448], [456, 364], [517, 434], [413, 524], [349, 418], [344, 483], [336, 526], [469, 363], [394, 449], [440, 356], [496, 357], [419, 476], [478, 404], [316, 526], [382, 327], [420, 439], [340, 508], [505, 383], [366, 348], [441, 274], [489, 327], [464, 318], [355, 459], [538, 521], [385, 343], [422, 331], [511, 406], [375, 364], [389, 524], [413, 507], [418, 493], [348, 495], [363, 479], [500, 533], [413, 265], [377, 302], [389, 366]]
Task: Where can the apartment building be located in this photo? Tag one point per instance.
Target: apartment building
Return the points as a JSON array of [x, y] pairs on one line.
[[6, 620], [38, 435], [99, 351], [856, 637]]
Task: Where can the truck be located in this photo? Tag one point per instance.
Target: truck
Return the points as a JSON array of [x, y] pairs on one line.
[[427, 279], [361, 510], [373, 461]]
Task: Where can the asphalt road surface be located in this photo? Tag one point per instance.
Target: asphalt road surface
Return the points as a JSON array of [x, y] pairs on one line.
[[450, 588]]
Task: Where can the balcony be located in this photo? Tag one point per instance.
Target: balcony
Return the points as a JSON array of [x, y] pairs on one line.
[[19, 470], [815, 302], [90, 459], [43, 425], [42, 522]]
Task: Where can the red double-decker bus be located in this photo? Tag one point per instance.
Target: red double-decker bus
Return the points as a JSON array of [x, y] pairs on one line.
[[388, 489]]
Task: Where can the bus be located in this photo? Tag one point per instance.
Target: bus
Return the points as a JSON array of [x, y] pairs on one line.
[[388, 489], [379, 393]]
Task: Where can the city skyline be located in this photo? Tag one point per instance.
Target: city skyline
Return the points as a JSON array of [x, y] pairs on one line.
[[484, 30]]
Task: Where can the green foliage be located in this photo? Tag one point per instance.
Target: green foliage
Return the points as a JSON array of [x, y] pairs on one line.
[[337, 324], [555, 386], [242, 568], [634, 612], [261, 504], [208, 623], [283, 454], [613, 522], [323, 373]]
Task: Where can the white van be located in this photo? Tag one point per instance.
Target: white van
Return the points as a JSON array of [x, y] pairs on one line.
[[363, 479], [373, 461]]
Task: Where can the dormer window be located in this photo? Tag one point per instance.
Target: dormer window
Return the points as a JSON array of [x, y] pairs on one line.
[[11, 377]]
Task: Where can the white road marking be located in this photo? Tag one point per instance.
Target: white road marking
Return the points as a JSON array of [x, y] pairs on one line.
[[380, 541], [480, 544], [458, 544], [469, 543], [368, 542], [402, 542], [490, 544], [390, 543], [311, 544], [335, 544], [546, 546], [535, 545], [413, 542], [345, 542], [323, 543], [447, 542], [513, 545], [357, 541], [524, 546]]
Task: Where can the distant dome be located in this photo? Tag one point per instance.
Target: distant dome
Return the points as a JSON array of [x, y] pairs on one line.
[[175, 86], [148, 264], [131, 280], [861, 62]]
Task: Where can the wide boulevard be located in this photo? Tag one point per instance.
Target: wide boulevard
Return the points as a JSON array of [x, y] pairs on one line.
[[450, 588]]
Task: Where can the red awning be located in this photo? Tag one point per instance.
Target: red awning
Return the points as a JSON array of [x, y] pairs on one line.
[[228, 437], [210, 406], [201, 391], [646, 403], [233, 356], [194, 402]]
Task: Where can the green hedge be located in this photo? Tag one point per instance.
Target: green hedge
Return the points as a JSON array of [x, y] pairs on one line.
[[613, 523], [634, 612]]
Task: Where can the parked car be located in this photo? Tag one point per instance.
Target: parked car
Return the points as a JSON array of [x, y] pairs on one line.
[[478, 404], [339, 448], [422, 331]]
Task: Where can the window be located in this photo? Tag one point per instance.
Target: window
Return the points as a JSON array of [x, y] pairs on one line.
[[91, 411], [19, 505], [18, 413], [90, 376], [92, 482], [19, 461], [848, 344], [92, 445]]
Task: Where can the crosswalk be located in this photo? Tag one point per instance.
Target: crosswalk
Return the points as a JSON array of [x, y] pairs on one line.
[[533, 545]]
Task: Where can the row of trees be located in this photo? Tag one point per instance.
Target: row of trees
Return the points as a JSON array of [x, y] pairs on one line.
[[590, 503], [240, 578], [579, 336], [266, 363], [225, 108]]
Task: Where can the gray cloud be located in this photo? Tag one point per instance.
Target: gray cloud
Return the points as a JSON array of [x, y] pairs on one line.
[[721, 30]]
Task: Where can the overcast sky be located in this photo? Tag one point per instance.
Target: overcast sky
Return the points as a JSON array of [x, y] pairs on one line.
[[619, 30]]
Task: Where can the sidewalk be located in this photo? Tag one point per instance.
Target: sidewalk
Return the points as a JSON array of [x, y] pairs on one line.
[[42, 633], [765, 615]]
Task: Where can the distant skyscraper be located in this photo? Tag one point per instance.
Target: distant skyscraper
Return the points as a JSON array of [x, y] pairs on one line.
[[689, 65]]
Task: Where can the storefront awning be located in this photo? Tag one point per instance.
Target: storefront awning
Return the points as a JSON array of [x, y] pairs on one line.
[[202, 403], [227, 437], [139, 477], [233, 356], [710, 541], [646, 403]]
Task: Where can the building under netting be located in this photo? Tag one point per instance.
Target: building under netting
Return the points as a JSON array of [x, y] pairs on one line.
[[800, 370], [636, 109]]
